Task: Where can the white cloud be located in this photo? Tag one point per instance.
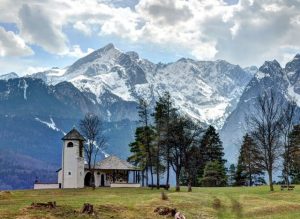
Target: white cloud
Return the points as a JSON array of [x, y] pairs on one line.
[[38, 27], [34, 69], [246, 33], [76, 52], [12, 44], [79, 25]]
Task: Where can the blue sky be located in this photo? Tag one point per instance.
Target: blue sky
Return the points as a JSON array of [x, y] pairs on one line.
[[37, 35]]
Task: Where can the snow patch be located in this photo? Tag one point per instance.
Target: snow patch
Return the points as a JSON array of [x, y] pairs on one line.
[[260, 75], [24, 87], [50, 124]]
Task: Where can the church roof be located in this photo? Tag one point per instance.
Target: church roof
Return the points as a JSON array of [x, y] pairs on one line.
[[114, 163], [73, 135]]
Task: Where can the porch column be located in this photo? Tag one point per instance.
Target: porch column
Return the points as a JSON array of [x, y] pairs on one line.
[[133, 177], [114, 176]]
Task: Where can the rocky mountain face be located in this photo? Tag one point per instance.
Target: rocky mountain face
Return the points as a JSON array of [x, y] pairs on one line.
[[284, 82], [205, 90]]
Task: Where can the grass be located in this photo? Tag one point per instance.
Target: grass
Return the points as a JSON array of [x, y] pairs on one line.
[[122, 203]]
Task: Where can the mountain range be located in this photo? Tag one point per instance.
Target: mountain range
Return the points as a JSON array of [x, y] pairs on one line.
[[36, 110]]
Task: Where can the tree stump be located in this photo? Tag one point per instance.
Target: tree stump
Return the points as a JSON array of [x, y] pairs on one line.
[[87, 208], [44, 205]]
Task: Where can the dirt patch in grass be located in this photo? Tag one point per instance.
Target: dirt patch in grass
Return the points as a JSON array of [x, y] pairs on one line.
[[271, 210], [111, 211], [5, 195], [64, 211]]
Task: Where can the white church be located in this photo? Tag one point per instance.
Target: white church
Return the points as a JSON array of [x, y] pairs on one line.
[[74, 173]]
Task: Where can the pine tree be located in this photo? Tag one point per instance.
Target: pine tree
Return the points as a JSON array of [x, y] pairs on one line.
[[184, 134], [294, 154], [138, 152], [212, 146], [144, 114], [214, 174], [240, 177], [159, 128], [163, 115], [249, 162], [211, 149]]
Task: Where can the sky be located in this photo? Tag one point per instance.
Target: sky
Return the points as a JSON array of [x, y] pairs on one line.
[[36, 35]]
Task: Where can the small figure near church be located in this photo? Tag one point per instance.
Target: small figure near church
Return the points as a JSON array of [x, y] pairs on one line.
[[74, 173]]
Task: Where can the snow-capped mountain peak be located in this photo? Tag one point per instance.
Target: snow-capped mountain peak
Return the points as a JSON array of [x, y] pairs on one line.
[[205, 90], [8, 76]]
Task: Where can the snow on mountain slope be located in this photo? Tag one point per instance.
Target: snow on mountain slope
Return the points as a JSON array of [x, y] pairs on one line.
[[284, 82], [8, 76], [205, 90]]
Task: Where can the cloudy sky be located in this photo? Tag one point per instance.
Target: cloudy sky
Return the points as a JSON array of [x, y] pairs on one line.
[[40, 34]]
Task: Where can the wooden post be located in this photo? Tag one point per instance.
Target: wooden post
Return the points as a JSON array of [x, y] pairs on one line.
[[114, 176], [133, 180]]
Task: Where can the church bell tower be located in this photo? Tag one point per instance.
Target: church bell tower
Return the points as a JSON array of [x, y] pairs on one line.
[[73, 160]]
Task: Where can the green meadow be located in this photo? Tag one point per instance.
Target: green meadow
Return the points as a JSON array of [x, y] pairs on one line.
[[226, 202]]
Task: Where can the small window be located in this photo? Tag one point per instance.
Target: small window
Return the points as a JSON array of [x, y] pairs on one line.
[[70, 144], [69, 173]]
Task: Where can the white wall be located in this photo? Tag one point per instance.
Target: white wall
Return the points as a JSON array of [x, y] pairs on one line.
[[98, 178], [125, 185], [73, 166], [46, 186], [59, 176]]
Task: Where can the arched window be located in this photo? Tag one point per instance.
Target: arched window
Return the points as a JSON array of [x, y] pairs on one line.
[[70, 144]]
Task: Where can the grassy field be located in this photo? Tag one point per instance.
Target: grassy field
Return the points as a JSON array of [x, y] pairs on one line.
[[138, 203]]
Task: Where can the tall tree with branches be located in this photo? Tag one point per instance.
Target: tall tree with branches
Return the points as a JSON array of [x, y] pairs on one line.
[[249, 162], [162, 117], [289, 114], [139, 153], [294, 155], [184, 134], [92, 129], [144, 114], [265, 124]]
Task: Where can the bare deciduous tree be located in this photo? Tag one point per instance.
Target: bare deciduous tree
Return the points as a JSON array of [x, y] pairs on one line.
[[91, 128], [265, 124]]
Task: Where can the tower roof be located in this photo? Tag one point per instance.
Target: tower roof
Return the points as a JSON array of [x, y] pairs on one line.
[[73, 135]]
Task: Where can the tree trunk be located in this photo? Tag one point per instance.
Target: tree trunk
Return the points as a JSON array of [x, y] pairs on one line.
[[151, 172], [147, 180], [157, 180], [189, 185], [177, 181], [143, 177], [168, 170], [157, 167], [271, 181]]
